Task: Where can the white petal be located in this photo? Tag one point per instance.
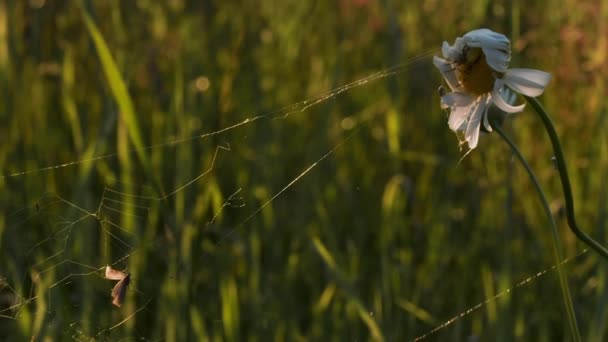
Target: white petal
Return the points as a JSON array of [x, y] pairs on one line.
[[458, 117], [528, 82], [496, 47], [508, 94], [456, 99], [452, 52], [447, 71], [472, 133], [486, 123], [446, 50], [498, 60], [485, 38], [501, 103]]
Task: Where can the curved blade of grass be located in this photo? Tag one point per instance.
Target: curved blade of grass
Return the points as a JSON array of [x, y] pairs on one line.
[[117, 86], [330, 262]]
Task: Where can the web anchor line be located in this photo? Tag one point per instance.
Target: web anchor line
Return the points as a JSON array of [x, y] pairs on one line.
[[495, 297], [282, 113]]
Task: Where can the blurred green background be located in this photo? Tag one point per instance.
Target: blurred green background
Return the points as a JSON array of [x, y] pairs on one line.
[[387, 237]]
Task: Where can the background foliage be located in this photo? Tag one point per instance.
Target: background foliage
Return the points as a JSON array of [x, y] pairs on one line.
[[386, 238]]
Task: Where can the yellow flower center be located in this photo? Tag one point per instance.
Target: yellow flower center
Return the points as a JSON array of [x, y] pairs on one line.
[[473, 72]]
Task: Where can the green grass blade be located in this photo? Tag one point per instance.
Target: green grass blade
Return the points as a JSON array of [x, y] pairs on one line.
[[117, 86], [362, 312]]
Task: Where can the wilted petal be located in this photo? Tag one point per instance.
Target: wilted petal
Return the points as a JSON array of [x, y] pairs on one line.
[[487, 38], [452, 52], [442, 64], [498, 60], [472, 133], [496, 47], [486, 123], [446, 50], [508, 95], [447, 71], [501, 103], [459, 115], [528, 82], [456, 99]]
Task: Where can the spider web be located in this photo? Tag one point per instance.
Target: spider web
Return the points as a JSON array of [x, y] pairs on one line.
[[53, 267]]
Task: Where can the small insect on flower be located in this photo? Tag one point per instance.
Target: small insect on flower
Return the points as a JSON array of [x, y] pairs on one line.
[[120, 289]]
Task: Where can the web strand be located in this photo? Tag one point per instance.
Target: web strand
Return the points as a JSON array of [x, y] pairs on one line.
[[479, 305], [281, 113]]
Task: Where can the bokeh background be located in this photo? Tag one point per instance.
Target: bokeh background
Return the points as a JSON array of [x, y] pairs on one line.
[[388, 235]]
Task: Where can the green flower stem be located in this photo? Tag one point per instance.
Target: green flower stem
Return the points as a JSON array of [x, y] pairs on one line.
[[563, 281], [563, 173]]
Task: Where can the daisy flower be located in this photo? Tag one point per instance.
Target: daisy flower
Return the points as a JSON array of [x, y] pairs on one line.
[[476, 70]]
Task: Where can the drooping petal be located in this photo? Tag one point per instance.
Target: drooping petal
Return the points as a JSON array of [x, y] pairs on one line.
[[447, 71], [494, 112], [500, 102], [488, 39], [496, 47], [452, 52], [458, 117], [446, 50], [508, 95], [456, 99], [486, 123], [498, 60], [528, 82], [472, 133]]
